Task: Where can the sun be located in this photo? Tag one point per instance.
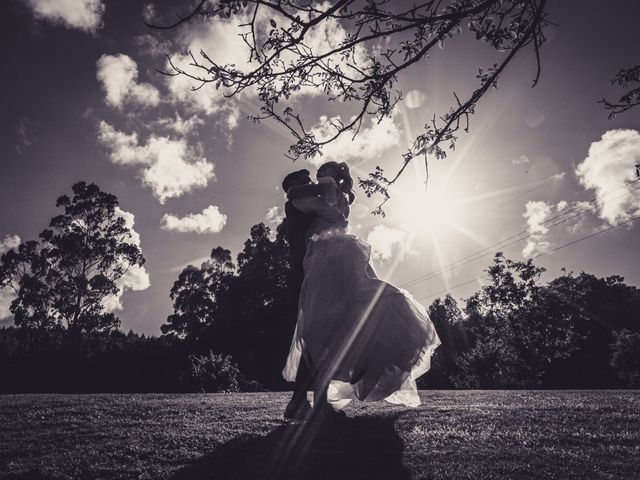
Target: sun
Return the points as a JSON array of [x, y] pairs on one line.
[[431, 208]]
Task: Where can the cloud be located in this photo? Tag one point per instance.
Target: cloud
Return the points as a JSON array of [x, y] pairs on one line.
[[536, 214], [6, 297], [118, 75], [274, 215], [273, 218], [24, 129], [210, 220], [609, 165], [6, 294], [386, 242], [521, 160], [9, 242], [180, 125], [85, 15], [169, 167], [136, 277], [221, 40], [369, 143]]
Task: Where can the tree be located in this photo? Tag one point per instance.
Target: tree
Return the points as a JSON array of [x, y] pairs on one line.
[[625, 78], [63, 279], [197, 295], [517, 329], [246, 311], [598, 307], [450, 325], [381, 40]]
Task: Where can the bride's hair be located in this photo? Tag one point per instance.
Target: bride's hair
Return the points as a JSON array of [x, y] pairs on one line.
[[342, 178]]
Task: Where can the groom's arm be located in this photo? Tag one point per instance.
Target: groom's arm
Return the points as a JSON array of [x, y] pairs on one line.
[[309, 190], [317, 206]]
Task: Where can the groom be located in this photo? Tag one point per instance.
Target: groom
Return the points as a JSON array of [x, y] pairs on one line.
[[298, 224]]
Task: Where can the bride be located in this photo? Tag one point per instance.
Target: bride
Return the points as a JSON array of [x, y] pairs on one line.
[[361, 337]]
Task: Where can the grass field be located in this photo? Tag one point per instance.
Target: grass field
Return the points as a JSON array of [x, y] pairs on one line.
[[468, 434]]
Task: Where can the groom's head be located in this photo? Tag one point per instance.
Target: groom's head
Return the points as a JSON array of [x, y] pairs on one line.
[[300, 177]]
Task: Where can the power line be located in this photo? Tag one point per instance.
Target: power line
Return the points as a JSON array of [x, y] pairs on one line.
[[480, 254], [549, 252], [487, 250], [504, 204]]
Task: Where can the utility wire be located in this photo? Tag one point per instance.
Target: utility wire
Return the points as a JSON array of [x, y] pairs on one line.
[[568, 244], [504, 204], [480, 254], [487, 250]]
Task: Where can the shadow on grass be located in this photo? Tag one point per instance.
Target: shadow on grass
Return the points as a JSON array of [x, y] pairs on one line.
[[362, 447]]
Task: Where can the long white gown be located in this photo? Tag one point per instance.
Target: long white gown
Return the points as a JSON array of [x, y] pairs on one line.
[[373, 340]]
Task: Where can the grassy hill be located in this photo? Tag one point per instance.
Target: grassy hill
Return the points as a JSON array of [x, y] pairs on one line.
[[466, 435]]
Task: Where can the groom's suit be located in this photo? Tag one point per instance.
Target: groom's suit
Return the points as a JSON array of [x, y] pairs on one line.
[[298, 224]]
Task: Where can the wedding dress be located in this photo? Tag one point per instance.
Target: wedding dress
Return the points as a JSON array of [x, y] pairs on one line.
[[372, 339]]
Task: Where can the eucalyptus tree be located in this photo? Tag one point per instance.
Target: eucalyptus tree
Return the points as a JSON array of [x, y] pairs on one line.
[[63, 279]]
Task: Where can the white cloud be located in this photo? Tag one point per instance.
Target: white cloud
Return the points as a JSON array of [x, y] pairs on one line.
[[6, 297], [386, 242], [536, 214], [125, 148], [210, 220], [609, 165], [136, 277], [521, 160], [273, 218], [24, 129], [9, 242], [167, 166], [369, 143], [6, 294], [84, 15], [542, 216], [118, 75], [180, 125], [220, 39], [274, 215]]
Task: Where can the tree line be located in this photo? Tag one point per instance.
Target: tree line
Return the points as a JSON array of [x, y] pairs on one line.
[[232, 320]]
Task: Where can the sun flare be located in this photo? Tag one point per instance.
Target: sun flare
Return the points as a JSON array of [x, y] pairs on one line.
[[431, 208]]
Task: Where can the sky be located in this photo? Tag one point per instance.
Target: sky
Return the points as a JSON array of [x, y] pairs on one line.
[[81, 100]]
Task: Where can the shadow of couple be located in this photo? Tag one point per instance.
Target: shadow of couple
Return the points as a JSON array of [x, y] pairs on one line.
[[352, 448]]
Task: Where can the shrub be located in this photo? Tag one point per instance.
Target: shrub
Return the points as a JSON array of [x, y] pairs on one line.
[[213, 373]]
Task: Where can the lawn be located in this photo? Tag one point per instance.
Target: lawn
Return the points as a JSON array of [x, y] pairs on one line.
[[465, 434]]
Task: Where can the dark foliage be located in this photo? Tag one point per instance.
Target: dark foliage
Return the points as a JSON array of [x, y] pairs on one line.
[[64, 278], [576, 331], [628, 78], [58, 360], [244, 310]]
